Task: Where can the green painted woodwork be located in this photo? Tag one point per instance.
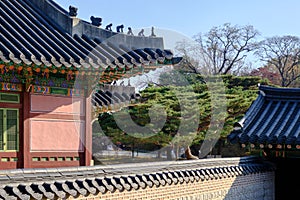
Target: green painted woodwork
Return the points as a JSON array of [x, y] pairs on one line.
[[9, 129], [9, 98], [61, 91]]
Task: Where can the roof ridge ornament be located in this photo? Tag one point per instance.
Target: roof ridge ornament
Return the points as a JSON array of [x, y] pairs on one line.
[[96, 21], [152, 32], [108, 27], [120, 28], [141, 33], [129, 31], [73, 11]]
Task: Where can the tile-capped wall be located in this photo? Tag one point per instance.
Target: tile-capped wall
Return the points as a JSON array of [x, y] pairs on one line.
[[204, 179]]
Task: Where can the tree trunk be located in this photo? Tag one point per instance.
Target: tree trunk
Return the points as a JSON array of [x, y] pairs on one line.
[[159, 153], [132, 150], [189, 154], [169, 153]]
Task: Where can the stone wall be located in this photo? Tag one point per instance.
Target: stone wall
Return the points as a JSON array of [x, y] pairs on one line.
[[258, 186], [204, 179]]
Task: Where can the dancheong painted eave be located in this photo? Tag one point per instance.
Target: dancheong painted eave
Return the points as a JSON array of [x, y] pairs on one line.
[[273, 119], [28, 35]]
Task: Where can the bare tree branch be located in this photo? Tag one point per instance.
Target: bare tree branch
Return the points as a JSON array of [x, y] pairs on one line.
[[284, 54], [222, 50]]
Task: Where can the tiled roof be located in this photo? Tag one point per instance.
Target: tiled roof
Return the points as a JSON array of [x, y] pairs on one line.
[[64, 182], [273, 118], [111, 97], [28, 36]]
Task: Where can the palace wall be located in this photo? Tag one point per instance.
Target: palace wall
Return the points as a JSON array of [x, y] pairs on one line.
[[205, 179], [56, 130]]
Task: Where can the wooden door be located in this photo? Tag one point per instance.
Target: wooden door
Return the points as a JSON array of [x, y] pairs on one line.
[[10, 155]]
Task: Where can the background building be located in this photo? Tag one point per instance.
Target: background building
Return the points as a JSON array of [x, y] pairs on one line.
[[50, 63]]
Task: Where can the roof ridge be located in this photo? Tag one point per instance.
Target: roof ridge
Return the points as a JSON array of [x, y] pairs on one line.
[[279, 89], [53, 13], [269, 117]]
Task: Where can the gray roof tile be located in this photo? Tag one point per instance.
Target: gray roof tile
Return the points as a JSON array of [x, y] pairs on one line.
[[273, 118], [119, 177], [27, 35]]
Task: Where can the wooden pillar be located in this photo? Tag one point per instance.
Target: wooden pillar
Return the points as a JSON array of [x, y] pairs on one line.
[[88, 131], [26, 130]]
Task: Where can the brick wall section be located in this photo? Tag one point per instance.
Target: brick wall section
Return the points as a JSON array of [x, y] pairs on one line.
[[258, 186], [219, 178]]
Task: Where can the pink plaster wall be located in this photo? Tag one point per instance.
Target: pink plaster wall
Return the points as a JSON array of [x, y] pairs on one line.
[[57, 104], [56, 135]]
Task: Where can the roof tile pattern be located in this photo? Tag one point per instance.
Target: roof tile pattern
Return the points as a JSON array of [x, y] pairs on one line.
[[111, 97], [273, 118], [26, 36], [65, 182]]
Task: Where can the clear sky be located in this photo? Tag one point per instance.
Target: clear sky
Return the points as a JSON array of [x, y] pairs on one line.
[[182, 19], [189, 17]]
